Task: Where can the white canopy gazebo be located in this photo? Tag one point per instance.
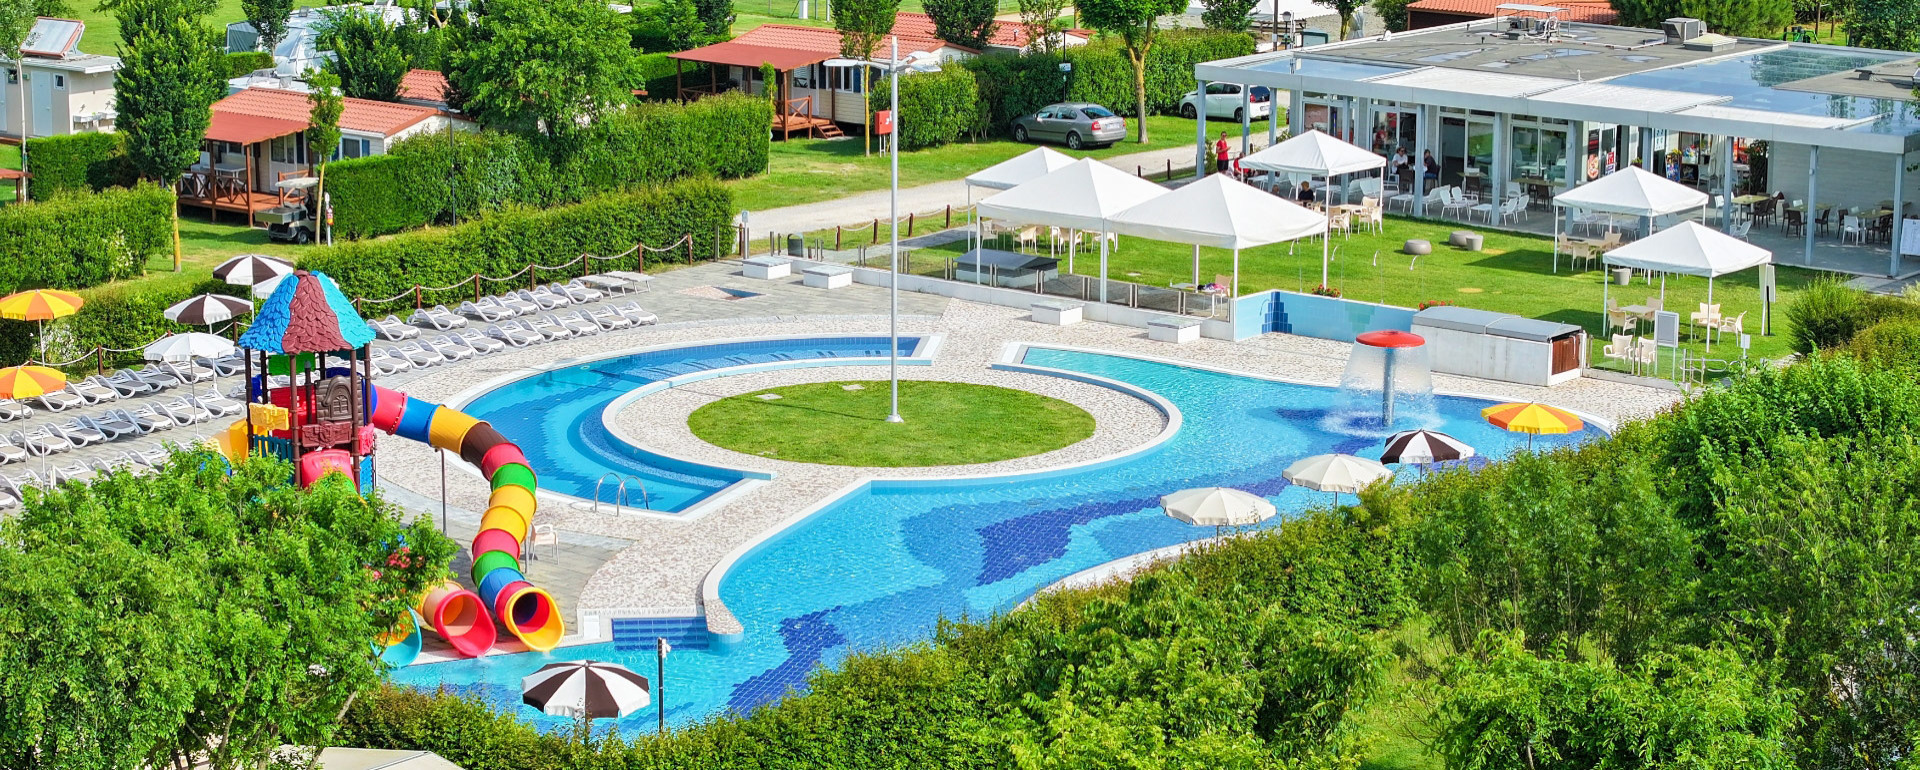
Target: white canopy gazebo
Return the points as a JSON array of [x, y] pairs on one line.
[[1084, 196], [1222, 213], [1631, 190], [1016, 171], [1317, 154], [1688, 248]]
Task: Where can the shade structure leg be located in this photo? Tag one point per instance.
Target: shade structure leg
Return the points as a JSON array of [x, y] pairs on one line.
[[1233, 292], [1326, 246], [1196, 266], [1073, 239], [1556, 243], [1607, 323], [1103, 267]]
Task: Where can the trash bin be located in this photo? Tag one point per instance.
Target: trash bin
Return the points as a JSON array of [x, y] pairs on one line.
[[796, 246], [1622, 276]]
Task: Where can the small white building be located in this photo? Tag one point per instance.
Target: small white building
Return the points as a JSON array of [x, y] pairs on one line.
[[61, 90], [299, 50]]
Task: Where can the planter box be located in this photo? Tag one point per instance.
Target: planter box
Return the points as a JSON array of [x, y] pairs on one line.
[[1057, 313], [1178, 331], [767, 268], [827, 276]]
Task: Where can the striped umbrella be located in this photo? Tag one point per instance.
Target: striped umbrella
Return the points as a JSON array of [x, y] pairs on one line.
[[41, 305], [1424, 447], [30, 381], [1531, 419], [208, 309], [586, 689], [251, 269]]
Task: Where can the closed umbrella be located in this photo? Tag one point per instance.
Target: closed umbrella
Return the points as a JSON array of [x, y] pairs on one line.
[[251, 270], [40, 305], [1424, 447], [189, 346], [207, 310], [586, 689], [30, 381], [1335, 473], [1217, 507], [1531, 419]]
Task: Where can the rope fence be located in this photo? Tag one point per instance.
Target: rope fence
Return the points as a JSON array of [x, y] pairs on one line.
[[104, 356], [532, 272]]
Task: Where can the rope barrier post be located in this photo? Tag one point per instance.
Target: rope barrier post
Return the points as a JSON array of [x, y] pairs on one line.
[[690, 258], [949, 222], [100, 360], [533, 273], [876, 229], [640, 256], [416, 297], [476, 287], [1169, 169], [909, 224], [836, 237]]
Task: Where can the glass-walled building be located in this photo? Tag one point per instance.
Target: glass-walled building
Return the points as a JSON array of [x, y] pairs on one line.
[[1806, 148]]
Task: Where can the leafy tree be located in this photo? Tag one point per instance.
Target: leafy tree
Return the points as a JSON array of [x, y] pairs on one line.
[[1392, 13], [1227, 15], [1889, 24], [966, 22], [1759, 18], [862, 24], [717, 15], [370, 58], [1346, 9], [194, 614], [323, 130], [1040, 19], [1136, 22], [171, 72], [543, 67], [269, 18], [672, 25]]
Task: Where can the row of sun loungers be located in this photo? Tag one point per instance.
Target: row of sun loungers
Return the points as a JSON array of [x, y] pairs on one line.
[[141, 458], [504, 307], [527, 331], [116, 424]]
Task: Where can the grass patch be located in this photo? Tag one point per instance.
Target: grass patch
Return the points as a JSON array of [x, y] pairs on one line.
[[1511, 276], [947, 423]]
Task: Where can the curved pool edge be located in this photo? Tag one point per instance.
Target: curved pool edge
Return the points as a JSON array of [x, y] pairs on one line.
[[727, 630]]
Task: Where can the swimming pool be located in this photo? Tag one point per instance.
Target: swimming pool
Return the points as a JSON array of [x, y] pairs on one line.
[[555, 416], [881, 566]]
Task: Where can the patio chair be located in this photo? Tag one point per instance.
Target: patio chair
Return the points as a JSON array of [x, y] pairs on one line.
[[1647, 354], [61, 400], [487, 311], [183, 407], [579, 324], [546, 326], [1618, 318], [639, 315], [11, 452], [77, 432], [1852, 229], [1458, 202], [449, 349], [393, 329], [480, 343], [1735, 326], [1620, 349], [40, 441], [514, 335], [94, 392], [1823, 223], [608, 318], [1707, 316], [113, 427], [438, 317], [1741, 229], [513, 300], [1403, 199], [1794, 221], [11, 410]]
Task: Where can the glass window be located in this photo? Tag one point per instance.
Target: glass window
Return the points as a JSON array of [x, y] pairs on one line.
[[803, 77], [1099, 112]]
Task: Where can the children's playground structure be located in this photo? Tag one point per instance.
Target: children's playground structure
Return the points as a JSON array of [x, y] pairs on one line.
[[311, 401]]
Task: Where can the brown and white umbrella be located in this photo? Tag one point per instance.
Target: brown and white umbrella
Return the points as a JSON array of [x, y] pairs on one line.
[[208, 309], [585, 689], [251, 269]]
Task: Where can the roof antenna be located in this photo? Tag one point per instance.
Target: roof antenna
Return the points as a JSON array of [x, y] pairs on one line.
[[1577, 78]]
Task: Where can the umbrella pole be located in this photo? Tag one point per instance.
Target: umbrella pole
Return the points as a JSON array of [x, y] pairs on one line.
[[1196, 266]]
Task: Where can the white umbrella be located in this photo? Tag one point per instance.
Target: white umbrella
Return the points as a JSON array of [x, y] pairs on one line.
[[1217, 507], [186, 347], [586, 689], [1424, 447], [207, 310], [1335, 473]]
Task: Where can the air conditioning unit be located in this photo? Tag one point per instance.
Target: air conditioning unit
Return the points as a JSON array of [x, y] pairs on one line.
[[1680, 30]]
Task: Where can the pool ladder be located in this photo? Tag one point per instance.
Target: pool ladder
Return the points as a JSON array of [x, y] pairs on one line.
[[619, 492]]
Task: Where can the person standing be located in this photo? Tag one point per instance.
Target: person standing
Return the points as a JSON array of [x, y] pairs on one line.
[[1220, 158]]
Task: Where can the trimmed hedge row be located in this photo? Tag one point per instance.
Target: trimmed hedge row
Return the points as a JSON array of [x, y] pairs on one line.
[[413, 185], [75, 241], [1018, 85], [77, 163], [939, 107], [245, 62], [506, 242]]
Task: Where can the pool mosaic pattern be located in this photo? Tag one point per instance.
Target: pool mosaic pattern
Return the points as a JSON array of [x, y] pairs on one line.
[[555, 416], [880, 567]]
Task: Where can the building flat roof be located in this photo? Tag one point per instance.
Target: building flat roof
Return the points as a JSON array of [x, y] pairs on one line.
[[1754, 88]]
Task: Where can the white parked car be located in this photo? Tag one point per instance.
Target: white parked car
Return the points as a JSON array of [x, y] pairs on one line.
[[1224, 101]]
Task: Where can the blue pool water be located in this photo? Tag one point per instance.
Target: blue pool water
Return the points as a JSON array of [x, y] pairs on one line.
[[555, 416], [881, 566]]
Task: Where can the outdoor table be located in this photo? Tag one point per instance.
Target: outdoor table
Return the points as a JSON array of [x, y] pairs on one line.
[[1639, 313], [1746, 202], [606, 283], [642, 280]]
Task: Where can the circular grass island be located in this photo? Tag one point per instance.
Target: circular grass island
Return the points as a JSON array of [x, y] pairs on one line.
[[845, 423]]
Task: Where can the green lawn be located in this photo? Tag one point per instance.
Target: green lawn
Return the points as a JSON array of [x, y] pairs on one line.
[[946, 423], [1510, 276], [9, 158], [810, 170]]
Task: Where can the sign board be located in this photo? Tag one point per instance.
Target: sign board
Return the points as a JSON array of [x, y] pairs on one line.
[[883, 122], [1910, 237], [1666, 329], [1768, 287]]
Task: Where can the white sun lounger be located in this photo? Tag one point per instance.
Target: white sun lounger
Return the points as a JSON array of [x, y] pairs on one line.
[[393, 329], [183, 408], [639, 315], [130, 383], [218, 404], [40, 441], [115, 428], [481, 343], [449, 349], [11, 452], [78, 433], [188, 372], [61, 400], [547, 326], [421, 355], [607, 318], [513, 301], [578, 324], [579, 294], [486, 311], [545, 299], [94, 392], [11, 410], [512, 334], [438, 317], [155, 376]]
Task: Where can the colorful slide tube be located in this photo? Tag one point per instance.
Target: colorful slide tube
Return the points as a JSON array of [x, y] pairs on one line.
[[399, 647], [528, 612]]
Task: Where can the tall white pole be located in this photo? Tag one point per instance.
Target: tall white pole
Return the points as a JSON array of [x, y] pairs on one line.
[[893, 207]]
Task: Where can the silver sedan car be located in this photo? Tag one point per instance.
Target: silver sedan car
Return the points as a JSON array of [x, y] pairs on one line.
[[1075, 124]]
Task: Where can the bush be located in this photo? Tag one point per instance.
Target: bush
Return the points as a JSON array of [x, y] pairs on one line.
[[1011, 86], [506, 242], [938, 107], [724, 136], [1891, 344], [245, 62], [1827, 314], [78, 240], [77, 163], [661, 76]]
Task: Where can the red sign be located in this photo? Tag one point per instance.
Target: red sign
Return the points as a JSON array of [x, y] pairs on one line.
[[883, 122]]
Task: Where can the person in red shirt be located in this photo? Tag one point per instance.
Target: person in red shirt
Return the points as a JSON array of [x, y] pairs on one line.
[[1220, 164]]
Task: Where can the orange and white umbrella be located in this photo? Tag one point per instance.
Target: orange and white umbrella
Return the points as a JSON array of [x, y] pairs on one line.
[[1532, 419], [40, 305], [30, 381]]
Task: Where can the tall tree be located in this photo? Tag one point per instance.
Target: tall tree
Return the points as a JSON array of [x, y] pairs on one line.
[[717, 15], [1759, 18], [1136, 22], [862, 25], [543, 67], [1227, 15], [1040, 19], [966, 22], [323, 132], [1890, 24], [1346, 9], [171, 72], [270, 19], [672, 25], [369, 53], [1393, 13]]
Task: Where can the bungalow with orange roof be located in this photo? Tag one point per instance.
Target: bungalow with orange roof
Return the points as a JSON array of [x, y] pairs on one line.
[[257, 139], [814, 99]]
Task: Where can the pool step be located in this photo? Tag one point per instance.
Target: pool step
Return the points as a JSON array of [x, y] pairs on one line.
[[638, 634]]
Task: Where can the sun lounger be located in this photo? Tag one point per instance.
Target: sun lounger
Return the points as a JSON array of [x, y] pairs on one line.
[[393, 329], [219, 405], [547, 326], [188, 372], [78, 433], [121, 389], [144, 420], [513, 301], [384, 364], [481, 343], [93, 392], [62, 399], [11, 410], [607, 318], [40, 441], [579, 294], [159, 377], [545, 299], [514, 335], [639, 315], [605, 283], [150, 455], [183, 408], [486, 311], [438, 317], [224, 366], [578, 323], [10, 494], [11, 452], [449, 349], [418, 353], [129, 383], [640, 281], [59, 472], [114, 428]]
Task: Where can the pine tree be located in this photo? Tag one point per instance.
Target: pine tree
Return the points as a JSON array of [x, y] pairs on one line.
[[963, 22], [171, 72]]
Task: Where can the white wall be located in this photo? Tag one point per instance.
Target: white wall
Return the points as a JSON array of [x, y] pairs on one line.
[[1847, 177]]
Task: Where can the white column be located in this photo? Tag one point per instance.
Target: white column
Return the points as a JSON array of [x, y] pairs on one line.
[[1246, 119], [1273, 118], [1502, 160], [1726, 183], [1199, 160], [1646, 154], [1813, 193], [1296, 112], [1899, 216], [1103, 267], [1420, 147]]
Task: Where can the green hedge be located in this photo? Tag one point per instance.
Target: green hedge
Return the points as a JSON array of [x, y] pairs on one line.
[[244, 62], [79, 240], [508, 241], [1827, 314], [938, 107], [724, 136], [1011, 86], [660, 79], [77, 163]]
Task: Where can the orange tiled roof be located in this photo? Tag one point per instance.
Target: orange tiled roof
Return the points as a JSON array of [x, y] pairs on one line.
[[363, 115], [1588, 11], [424, 85], [1011, 34]]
